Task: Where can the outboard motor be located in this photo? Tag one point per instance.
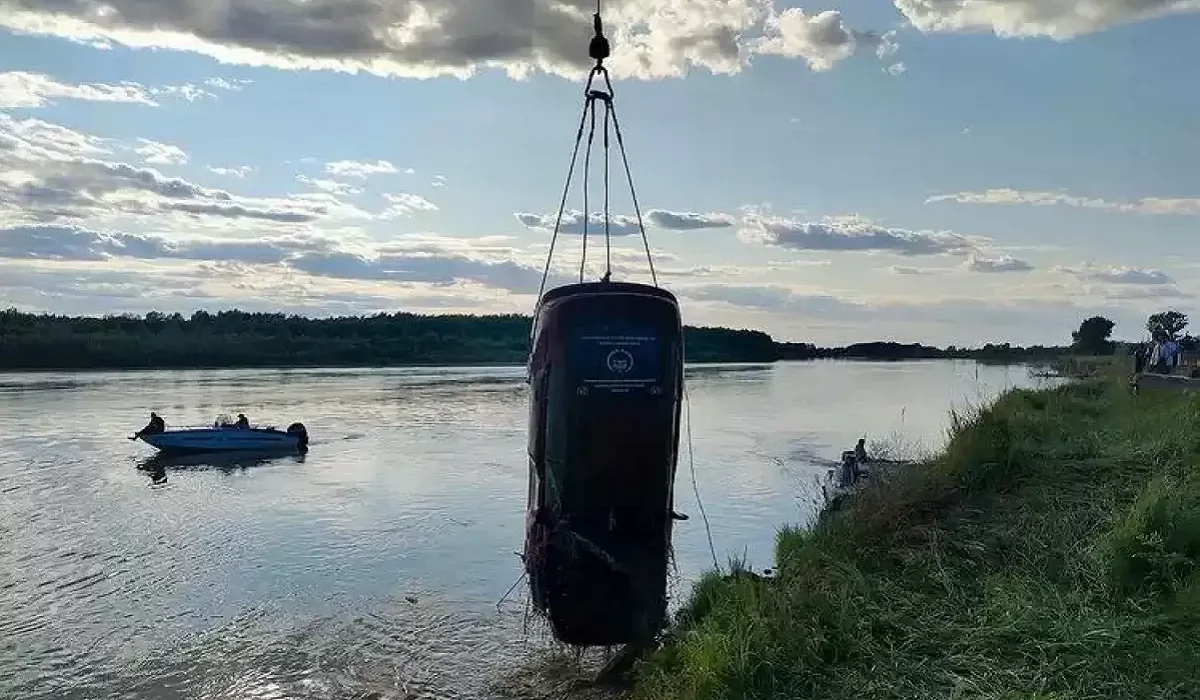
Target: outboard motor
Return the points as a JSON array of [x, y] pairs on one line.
[[606, 376], [298, 430]]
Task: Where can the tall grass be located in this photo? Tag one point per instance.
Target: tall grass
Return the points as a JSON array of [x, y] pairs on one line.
[[1081, 366], [1051, 552]]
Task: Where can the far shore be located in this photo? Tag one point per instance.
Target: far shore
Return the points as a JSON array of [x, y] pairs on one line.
[[236, 339], [497, 365]]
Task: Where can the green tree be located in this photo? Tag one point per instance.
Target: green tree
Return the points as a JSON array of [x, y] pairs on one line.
[[1092, 338], [1170, 323]]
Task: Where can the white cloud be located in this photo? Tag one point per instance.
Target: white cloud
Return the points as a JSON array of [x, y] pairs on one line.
[[424, 38], [331, 186], [360, 169], [158, 153], [687, 221], [25, 90], [186, 92], [822, 39], [1119, 274], [67, 203], [627, 224], [573, 223], [873, 313], [1011, 196], [51, 174], [1058, 19], [1005, 263], [850, 234], [169, 286], [238, 171], [439, 181], [424, 264], [35, 139], [19, 89], [1124, 283], [80, 244], [897, 68], [1180, 206], [430, 261], [773, 298], [405, 204], [1131, 275], [635, 257], [430, 269], [229, 85], [1133, 293]]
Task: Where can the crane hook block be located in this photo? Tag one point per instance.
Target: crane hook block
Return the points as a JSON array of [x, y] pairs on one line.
[[599, 49]]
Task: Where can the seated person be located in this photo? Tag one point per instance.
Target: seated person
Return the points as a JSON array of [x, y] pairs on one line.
[[242, 422], [860, 451], [154, 427]]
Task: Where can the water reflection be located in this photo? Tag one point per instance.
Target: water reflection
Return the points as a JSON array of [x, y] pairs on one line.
[[158, 473], [737, 370], [222, 461]]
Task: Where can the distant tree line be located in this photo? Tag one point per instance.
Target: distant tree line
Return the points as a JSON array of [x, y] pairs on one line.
[[242, 339], [999, 353]]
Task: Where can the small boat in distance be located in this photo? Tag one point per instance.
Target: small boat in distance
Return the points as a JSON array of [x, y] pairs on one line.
[[226, 437]]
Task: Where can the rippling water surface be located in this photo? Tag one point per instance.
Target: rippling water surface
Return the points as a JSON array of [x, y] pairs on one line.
[[371, 567]]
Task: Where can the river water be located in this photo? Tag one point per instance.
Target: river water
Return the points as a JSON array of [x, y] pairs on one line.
[[372, 566]]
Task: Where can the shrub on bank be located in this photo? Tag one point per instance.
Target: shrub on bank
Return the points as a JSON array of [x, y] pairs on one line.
[[1051, 551], [1155, 547]]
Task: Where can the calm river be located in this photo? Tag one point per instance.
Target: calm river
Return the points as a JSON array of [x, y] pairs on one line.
[[372, 567]]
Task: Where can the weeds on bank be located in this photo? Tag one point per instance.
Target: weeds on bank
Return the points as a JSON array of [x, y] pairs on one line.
[[1051, 552], [1077, 366]]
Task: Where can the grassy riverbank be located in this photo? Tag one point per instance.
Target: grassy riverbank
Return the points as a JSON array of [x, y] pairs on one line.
[[1051, 553]]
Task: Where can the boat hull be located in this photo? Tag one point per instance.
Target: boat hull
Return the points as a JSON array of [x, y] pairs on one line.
[[208, 440]]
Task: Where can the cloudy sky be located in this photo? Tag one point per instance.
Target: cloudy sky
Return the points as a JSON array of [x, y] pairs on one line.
[[948, 171]]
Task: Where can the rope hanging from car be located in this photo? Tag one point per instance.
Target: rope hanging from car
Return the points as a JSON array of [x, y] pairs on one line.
[[598, 49]]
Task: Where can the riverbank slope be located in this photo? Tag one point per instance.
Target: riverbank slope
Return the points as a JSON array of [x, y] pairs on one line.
[[1051, 552]]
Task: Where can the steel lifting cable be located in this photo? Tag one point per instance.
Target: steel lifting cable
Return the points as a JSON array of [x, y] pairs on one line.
[[563, 202], [599, 50], [607, 233], [637, 209], [587, 168]]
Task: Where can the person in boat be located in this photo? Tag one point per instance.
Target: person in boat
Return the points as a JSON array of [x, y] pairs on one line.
[[154, 427], [242, 422]]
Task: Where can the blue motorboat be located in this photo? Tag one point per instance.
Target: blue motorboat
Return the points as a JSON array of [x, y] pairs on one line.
[[228, 438]]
